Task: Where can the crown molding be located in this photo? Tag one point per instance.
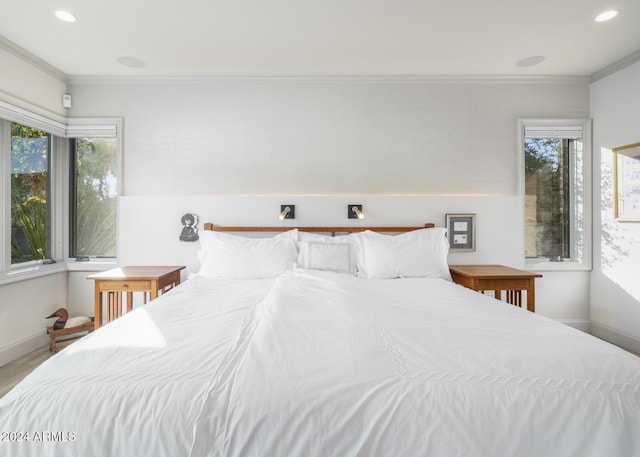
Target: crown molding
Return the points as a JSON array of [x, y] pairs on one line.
[[32, 59], [616, 66], [376, 79]]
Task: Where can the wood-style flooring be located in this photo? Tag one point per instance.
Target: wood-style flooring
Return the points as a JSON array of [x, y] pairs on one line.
[[13, 372]]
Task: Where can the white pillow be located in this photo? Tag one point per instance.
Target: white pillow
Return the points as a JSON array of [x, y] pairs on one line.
[[237, 257], [327, 256], [416, 254], [316, 237], [313, 255]]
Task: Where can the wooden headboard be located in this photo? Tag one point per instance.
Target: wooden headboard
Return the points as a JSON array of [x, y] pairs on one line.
[[332, 230]]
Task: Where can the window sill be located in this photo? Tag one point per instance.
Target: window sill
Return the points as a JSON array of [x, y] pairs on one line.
[[91, 265], [546, 265], [38, 270], [30, 272]]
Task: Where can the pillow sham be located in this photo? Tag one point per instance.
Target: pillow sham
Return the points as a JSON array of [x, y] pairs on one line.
[[228, 256], [416, 254], [311, 244], [310, 236], [328, 256]]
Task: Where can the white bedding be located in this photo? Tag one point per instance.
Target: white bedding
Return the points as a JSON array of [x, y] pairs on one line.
[[323, 364]]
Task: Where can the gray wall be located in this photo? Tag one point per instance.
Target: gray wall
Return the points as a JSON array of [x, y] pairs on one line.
[[309, 137], [199, 145]]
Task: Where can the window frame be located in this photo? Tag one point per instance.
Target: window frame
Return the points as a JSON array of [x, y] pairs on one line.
[[97, 128], [73, 202], [10, 272], [580, 218]]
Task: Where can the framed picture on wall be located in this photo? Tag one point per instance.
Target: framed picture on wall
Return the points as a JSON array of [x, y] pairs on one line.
[[626, 182], [461, 230]]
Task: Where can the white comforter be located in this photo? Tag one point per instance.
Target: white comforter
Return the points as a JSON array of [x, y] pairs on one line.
[[320, 364]]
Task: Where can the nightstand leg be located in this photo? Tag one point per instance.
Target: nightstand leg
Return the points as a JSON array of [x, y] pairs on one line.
[[97, 311], [531, 297]]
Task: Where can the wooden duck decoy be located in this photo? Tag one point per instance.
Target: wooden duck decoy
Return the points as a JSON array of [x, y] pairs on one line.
[[65, 322]]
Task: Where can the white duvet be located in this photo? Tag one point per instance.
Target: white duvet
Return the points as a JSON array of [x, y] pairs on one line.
[[321, 364]]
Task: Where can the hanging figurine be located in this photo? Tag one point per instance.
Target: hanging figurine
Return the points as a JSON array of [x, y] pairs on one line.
[[189, 230]]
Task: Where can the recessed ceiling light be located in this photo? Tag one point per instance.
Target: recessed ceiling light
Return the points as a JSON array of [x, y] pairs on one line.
[[605, 16], [530, 61], [66, 16], [132, 62]]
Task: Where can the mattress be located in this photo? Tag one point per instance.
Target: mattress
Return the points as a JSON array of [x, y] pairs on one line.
[[323, 364]]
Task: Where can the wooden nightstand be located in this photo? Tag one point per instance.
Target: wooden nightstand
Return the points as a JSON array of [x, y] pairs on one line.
[[498, 278], [127, 280]]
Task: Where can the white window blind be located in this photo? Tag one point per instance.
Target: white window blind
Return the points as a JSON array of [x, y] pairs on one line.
[[73, 128], [572, 132], [106, 130], [22, 116]]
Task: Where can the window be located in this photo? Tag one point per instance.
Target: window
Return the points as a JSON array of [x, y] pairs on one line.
[[93, 195], [547, 196], [30, 194], [555, 184], [30, 191], [35, 160]]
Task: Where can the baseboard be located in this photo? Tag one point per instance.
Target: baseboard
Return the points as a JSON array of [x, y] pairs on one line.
[[628, 342], [23, 347], [584, 326]]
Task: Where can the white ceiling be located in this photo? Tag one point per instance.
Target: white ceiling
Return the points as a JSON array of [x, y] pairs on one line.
[[324, 37]]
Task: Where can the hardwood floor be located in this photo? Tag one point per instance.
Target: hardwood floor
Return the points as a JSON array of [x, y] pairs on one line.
[[13, 372]]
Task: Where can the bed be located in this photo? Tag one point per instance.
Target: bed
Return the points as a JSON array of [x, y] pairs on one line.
[[303, 344]]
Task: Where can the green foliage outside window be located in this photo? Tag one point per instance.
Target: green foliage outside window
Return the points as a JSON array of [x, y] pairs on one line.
[[547, 185], [93, 209], [29, 193], [96, 197]]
